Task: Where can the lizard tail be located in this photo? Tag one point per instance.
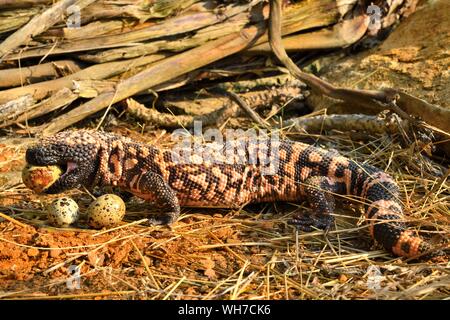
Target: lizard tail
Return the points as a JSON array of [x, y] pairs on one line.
[[384, 214]]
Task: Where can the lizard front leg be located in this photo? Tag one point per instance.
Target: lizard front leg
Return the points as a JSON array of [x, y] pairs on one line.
[[318, 191], [152, 183]]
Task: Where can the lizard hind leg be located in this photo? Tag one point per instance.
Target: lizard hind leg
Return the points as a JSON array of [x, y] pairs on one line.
[[166, 199], [318, 191]]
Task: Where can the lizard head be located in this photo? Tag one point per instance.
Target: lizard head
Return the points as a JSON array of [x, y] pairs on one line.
[[75, 152]]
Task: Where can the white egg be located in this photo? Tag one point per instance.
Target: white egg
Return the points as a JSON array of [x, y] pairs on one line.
[[63, 212], [107, 211]]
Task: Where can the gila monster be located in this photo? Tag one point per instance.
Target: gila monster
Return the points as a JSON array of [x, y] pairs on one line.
[[92, 158]]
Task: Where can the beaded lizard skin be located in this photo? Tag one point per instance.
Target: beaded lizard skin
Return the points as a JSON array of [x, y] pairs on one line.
[[303, 171]]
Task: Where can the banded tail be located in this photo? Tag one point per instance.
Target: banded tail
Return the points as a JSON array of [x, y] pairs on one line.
[[384, 215]]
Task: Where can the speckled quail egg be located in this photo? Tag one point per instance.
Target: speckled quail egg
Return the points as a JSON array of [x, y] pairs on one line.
[[40, 178], [107, 211], [63, 212]]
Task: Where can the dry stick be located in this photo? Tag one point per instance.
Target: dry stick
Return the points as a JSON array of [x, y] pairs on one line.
[[365, 98], [19, 76], [10, 4], [341, 35], [95, 72], [320, 13], [140, 10], [92, 88], [160, 72], [6, 217], [91, 30], [202, 36], [346, 122], [14, 108], [168, 120], [435, 115], [298, 18], [39, 24], [371, 99], [173, 26], [250, 112], [223, 108], [12, 20], [62, 98], [149, 272]]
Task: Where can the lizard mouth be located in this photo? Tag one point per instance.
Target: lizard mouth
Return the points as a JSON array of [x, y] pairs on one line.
[[67, 168], [72, 172], [69, 179], [36, 157]]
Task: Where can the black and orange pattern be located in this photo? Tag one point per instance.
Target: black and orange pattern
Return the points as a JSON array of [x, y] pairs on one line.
[[302, 171]]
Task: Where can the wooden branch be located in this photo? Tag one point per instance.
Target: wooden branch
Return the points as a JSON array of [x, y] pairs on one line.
[[94, 29], [96, 72], [341, 35], [60, 99], [365, 98], [346, 123], [167, 120], [160, 72], [167, 7], [15, 107], [372, 99], [141, 10], [10, 4], [92, 88], [14, 19], [170, 27], [39, 24], [21, 76], [244, 106], [432, 114], [215, 31]]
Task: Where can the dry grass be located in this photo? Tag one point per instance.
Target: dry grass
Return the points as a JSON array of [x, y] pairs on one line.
[[222, 254]]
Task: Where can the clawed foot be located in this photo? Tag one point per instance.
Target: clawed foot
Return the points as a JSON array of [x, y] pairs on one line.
[[308, 223], [162, 219]]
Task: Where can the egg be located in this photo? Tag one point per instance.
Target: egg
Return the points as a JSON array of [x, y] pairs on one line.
[[63, 212], [39, 178], [107, 211]]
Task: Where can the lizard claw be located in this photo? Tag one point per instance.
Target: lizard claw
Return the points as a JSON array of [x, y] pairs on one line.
[[308, 223], [162, 219]]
